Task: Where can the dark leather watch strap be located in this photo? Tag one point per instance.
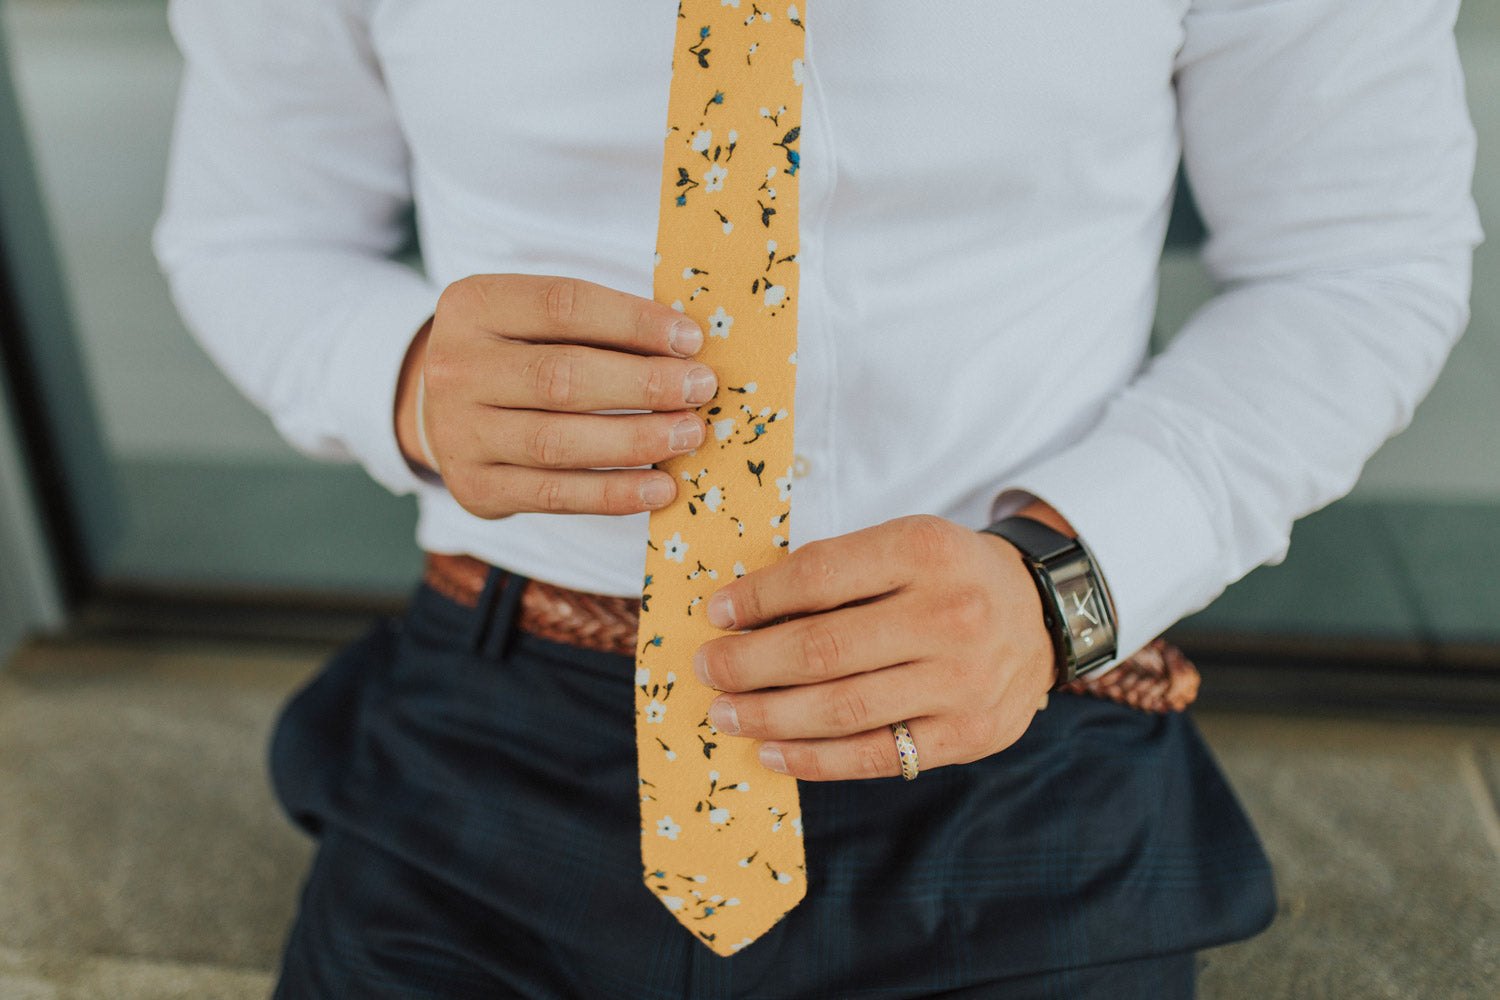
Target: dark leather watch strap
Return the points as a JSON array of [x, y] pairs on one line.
[[1032, 537]]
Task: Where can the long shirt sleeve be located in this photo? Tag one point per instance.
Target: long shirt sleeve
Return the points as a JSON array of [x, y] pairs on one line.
[[288, 197], [1331, 155]]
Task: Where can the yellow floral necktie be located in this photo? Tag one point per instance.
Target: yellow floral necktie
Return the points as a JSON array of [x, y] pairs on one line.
[[721, 836]]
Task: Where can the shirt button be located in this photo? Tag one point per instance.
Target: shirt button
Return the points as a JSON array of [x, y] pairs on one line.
[[800, 466]]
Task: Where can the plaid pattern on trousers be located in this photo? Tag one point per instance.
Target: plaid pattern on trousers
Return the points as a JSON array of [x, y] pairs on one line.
[[474, 790]]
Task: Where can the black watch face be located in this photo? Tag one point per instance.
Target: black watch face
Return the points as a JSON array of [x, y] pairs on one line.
[[1083, 611]]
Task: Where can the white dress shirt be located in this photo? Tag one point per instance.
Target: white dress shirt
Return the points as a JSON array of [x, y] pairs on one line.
[[985, 188]]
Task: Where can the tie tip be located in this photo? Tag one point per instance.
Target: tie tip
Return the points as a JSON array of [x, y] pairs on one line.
[[728, 931]]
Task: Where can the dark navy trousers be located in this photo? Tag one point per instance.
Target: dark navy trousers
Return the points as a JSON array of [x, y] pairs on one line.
[[474, 792]]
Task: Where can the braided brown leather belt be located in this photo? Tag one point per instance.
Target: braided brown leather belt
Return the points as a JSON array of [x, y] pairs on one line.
[[1157, 678]]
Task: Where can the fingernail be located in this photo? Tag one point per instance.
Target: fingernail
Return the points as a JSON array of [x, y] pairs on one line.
[[700, 668], [721, 611], [656, 492], [699, 386], [686, 435], [722, 714], [771, 758], [684, 338]]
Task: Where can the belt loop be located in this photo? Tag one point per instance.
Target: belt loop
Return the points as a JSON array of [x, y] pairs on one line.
[[497, 613]]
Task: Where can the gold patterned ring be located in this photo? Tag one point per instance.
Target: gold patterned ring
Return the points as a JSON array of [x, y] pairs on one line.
[[907, 748]]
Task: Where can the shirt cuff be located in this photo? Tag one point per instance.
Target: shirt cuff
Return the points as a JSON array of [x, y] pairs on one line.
[[1141, 517], [366, 365]]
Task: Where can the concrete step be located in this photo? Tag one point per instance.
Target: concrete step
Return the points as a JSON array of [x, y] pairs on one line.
[[28, 975], [142, 855]]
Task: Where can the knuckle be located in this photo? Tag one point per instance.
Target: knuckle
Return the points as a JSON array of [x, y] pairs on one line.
[[815, 570], [466, 499], [654, 387], [459, 478], [441, 371], [546, 447], [548, 495], [929, 540], [646, 443], [491, 510], [804, 763], [469, 492], [554, 377], [461, 298], [847, 711], [754, 722], [646, 324], [871, 761], [822, 651], [747, 602], [559, 298]]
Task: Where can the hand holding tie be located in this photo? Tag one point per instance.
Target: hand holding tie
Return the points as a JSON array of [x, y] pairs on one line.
[[918, 619], [508, 372]]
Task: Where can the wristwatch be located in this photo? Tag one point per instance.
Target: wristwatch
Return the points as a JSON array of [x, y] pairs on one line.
[[1079, 612]]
